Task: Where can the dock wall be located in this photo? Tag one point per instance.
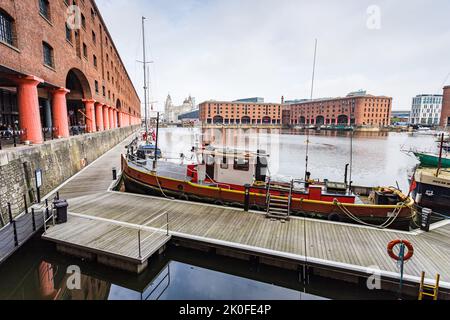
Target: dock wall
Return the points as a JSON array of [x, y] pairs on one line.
[[58, 159]]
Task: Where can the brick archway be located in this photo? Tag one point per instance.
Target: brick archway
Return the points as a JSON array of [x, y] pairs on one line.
[[218, 120], [80, 91], [266, 120], [302, 120], [343, 119], [246, 120], [78, 83], [320, 120]]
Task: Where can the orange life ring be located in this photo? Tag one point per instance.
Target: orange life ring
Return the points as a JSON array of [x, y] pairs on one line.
[[394, 243]]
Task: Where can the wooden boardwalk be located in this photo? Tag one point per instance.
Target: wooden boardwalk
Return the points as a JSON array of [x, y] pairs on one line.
[[332, 245]]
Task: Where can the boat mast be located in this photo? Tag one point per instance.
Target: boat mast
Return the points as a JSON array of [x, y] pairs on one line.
[[440, 155], [156, 143], [351, 160], [312, 95], [145, 75]]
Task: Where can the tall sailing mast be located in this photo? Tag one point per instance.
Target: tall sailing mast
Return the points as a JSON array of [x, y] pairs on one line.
[[312, 95], [145, 76]]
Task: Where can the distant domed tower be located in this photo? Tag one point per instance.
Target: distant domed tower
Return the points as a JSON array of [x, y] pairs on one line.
[[168, 109]]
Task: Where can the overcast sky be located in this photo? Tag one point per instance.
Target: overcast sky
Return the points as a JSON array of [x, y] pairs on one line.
[[230, 49]]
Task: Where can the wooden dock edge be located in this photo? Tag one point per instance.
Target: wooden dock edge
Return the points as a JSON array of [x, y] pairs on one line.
[[115, 261], [324, 268]]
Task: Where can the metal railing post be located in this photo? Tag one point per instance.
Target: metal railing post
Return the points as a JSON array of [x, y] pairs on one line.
[[290, 197], [14, 138], [25, 203], [33, 219], [47, 213], [45, 223], [139, 243], [167, 215], [13, 223], [268, 196]]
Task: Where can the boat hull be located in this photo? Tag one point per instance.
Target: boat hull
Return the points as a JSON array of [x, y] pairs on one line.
[[432, 161], [137, 181], [432, 196]]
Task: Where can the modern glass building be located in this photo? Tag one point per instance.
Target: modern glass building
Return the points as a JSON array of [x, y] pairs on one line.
[[426, 109]]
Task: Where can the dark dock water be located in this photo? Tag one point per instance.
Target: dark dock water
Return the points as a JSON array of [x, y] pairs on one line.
[[38, 272]]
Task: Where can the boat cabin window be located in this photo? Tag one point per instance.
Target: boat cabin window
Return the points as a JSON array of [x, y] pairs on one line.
[[224, 163], [241, 164]]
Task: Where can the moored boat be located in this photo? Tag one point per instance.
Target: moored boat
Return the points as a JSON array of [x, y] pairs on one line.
[[223, 177], [432, 189], [432, 160]]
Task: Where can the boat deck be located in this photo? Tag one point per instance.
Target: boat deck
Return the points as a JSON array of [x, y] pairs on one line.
[[166, 169], [351, 248]]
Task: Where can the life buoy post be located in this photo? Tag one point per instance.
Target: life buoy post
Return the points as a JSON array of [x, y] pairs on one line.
[[401, 258], [403, 243]]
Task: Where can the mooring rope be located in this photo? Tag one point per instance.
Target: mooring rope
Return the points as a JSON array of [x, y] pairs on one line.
[[384, 225]]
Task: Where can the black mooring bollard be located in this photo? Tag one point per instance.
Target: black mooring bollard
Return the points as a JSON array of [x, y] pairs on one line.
[[247, 198], [114, 173]]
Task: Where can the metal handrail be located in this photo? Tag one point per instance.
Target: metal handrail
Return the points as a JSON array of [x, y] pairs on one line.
[[290, 197], [52, 218], [268, 195], [156, 230]]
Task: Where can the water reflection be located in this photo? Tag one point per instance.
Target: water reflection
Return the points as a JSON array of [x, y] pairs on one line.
[[377, 156], [37, 272]]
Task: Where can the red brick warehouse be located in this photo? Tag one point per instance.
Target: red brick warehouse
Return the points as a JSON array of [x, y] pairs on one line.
[[226, 112], [359, 110], [54, 74]]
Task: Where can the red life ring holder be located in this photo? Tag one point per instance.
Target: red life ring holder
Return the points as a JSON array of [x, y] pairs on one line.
[[395, 243]]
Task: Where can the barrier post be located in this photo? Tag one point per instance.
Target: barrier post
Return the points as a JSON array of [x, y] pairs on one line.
[[247, 198], [402, 266]]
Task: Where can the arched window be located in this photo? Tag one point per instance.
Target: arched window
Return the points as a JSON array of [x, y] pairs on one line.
[[6, 28]]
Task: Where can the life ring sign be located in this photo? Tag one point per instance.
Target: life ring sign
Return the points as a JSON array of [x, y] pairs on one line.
[[393, 244]]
